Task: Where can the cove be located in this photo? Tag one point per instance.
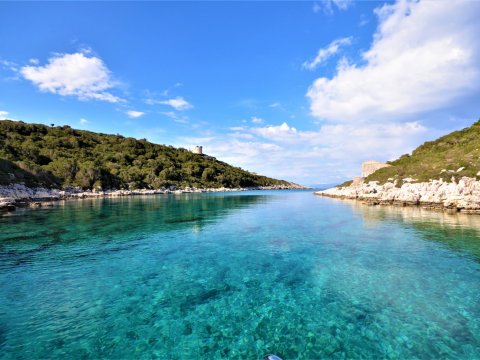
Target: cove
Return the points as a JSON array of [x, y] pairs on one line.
[[237, 276]]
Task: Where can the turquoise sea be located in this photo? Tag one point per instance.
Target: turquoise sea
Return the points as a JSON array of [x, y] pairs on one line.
[[237, 276]]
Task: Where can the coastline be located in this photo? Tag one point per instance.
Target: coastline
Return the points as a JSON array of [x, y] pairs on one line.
[[19, 195], [462, 196]]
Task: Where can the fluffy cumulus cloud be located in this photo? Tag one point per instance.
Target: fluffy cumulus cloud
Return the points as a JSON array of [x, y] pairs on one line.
[[329, 154], [134, 114], [83, 121], [178, 103], [327, 52], [424, 57], [81, 75], [276, 132], [3, 115]]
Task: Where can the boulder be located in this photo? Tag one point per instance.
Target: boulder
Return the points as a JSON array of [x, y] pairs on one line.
[[7, 204]]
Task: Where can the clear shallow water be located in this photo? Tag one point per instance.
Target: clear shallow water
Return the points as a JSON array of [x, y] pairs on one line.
[[237, 276]]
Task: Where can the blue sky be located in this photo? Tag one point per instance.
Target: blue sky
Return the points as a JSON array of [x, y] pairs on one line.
[[303, 91]]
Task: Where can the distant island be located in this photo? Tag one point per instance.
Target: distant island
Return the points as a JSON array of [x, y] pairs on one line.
[[440, 174], [66, 161]]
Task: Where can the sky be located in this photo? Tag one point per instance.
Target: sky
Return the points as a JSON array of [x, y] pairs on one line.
[[302, 91]]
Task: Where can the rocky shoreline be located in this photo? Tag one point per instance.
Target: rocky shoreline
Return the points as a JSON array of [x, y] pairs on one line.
[[456, 196], [18, 195]]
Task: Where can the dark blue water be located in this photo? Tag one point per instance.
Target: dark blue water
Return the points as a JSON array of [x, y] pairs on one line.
[[237, 276]]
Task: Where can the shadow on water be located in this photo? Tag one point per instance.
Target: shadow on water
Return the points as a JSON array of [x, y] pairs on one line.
[[100, 221]]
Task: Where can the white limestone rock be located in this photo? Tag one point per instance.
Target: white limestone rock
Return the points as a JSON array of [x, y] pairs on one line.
[[462, 195]]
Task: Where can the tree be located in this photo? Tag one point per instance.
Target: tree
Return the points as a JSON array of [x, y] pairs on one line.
[[208, 174], [64, 156]]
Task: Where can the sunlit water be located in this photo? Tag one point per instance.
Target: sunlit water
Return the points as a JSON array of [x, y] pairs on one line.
[[237, 276]]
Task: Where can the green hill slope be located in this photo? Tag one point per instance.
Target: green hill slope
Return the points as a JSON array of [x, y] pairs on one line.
[[438, 159], [61, 156]]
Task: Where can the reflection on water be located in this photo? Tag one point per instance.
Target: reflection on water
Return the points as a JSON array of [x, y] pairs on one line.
[[212, 276], [89, 221], [415, 214], [460, 232]]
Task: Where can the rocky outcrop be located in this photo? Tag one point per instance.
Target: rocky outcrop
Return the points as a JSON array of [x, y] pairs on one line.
[[7, 204], [454, 196]]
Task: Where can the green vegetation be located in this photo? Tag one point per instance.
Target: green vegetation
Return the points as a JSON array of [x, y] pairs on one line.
[[346, 183], [437, 159], [60, 156]]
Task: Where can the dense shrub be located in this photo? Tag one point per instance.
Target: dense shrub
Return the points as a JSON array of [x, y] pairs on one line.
[[62, 156]]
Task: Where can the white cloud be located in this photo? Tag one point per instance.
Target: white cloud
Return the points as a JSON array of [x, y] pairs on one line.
[[34, 61], [380, 141], [277, 105], [239, 135], [325, 53], [316, 7], [331, 153], [151, 101], [134, 114], [413, 66], [176, 117], [280, 132], [425, 56], [151, 96], [83, 121], [85, 77], [257, 120], [3, 115], [363, 20], [328, 5], [341, 4], [178, 103], [9, 65], [170, 114]]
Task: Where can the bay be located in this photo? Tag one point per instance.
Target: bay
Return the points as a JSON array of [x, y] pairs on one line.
[[238, 275]]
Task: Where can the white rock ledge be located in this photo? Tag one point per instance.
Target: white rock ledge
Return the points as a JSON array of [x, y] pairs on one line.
[[463, 196]]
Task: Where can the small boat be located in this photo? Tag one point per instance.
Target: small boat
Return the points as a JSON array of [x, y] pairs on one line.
[[271, 357]]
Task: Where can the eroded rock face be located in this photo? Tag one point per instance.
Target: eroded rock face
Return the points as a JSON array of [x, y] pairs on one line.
[[463, 195], [21, 192]]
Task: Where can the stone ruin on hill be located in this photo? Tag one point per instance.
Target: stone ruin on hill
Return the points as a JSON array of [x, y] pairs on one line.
[[368, 168]]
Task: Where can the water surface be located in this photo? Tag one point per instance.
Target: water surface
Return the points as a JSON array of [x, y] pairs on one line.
[[238, 275]]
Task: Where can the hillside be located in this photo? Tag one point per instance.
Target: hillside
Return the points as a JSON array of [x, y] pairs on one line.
[[59, 157], [442, 158]]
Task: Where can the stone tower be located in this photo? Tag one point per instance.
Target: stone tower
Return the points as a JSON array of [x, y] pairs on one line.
[[197, 150], [369, 167]]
